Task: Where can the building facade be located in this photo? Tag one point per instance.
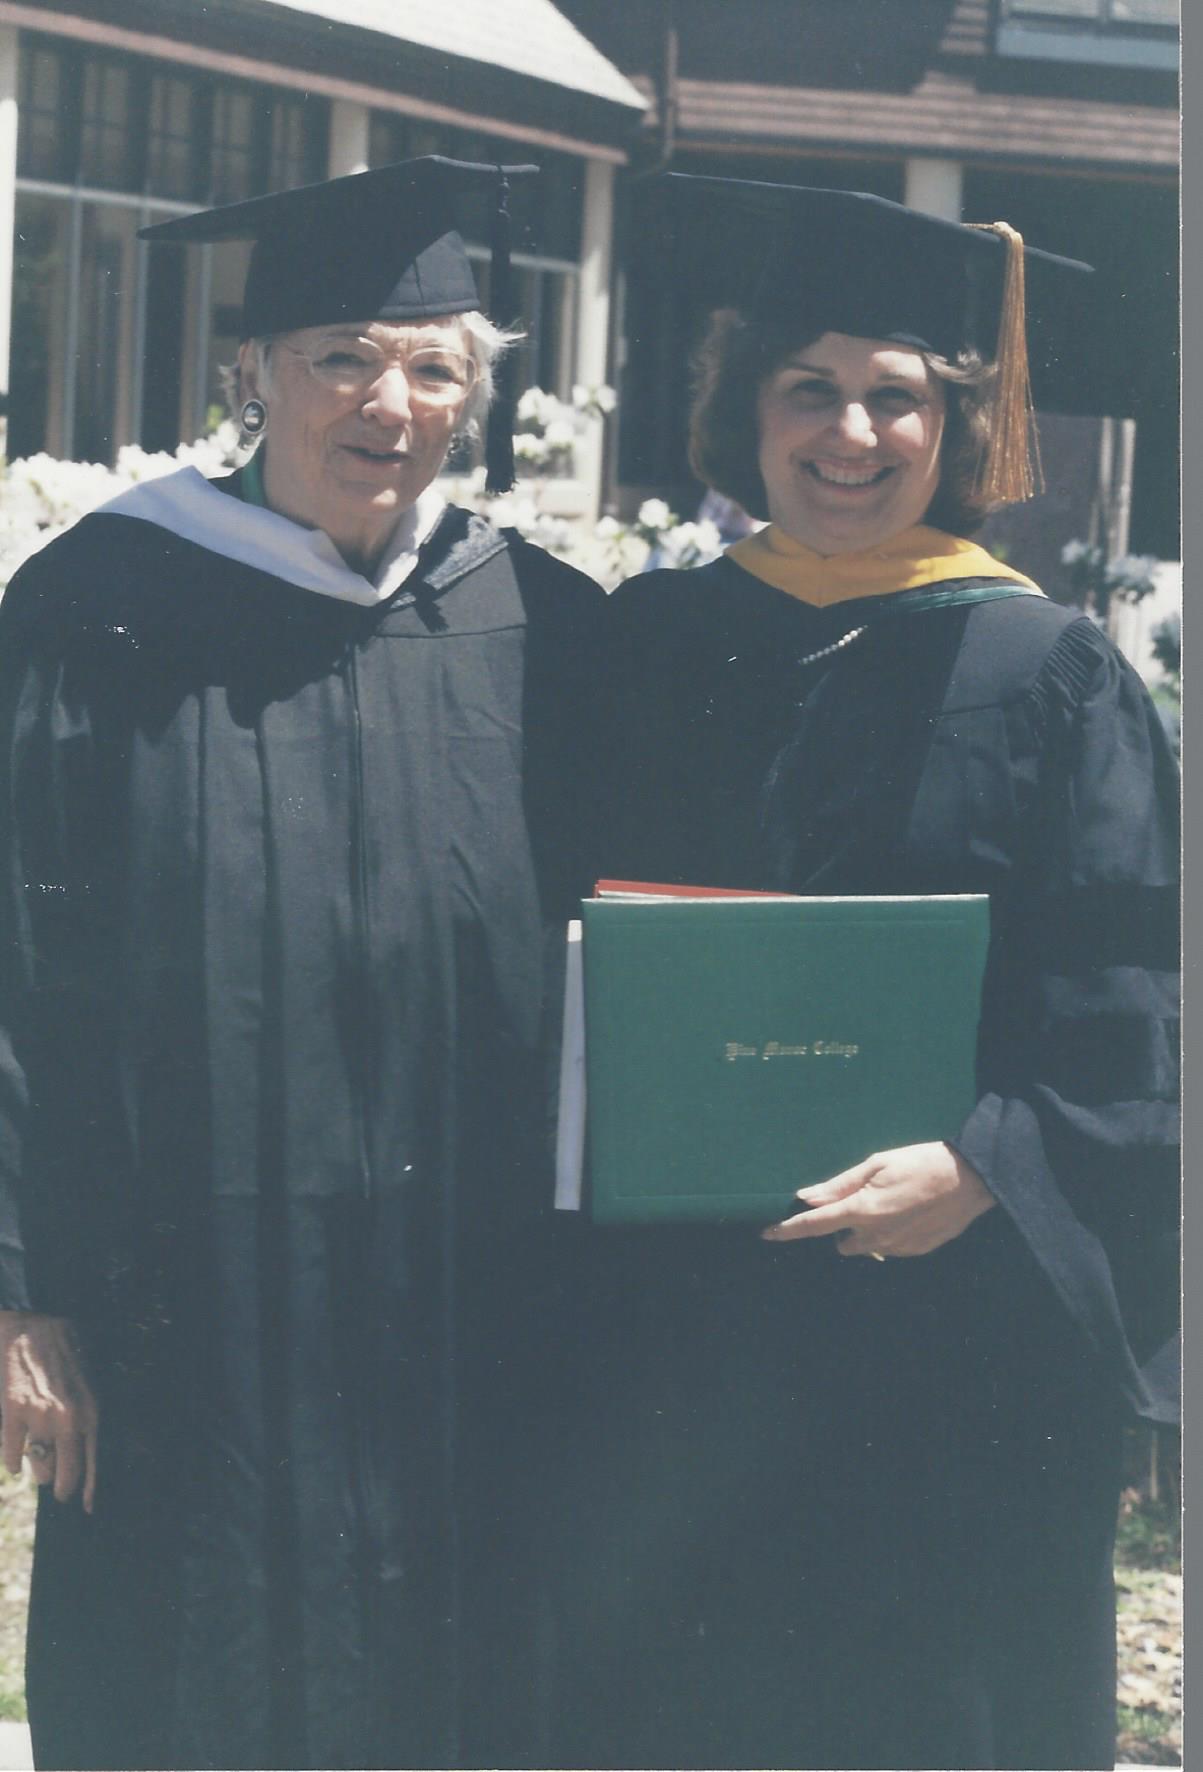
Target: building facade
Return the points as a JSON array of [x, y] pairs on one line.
[[1060, 116], [116, 113]]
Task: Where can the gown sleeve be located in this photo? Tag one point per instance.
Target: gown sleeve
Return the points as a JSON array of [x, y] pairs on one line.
[[59, 1137], [1076, 1128], [20, 695]]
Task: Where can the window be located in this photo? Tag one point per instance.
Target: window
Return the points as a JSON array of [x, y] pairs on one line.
[[1118, 33], [114, 343], [545, 230], [41, 303], [172, 169], [45, 142], [233, 144], [1103, 12], [103, 358], [1146, 12], [108, 141], [545, 305], [559, 194], [403, 138], [291, 159], [263, 141]]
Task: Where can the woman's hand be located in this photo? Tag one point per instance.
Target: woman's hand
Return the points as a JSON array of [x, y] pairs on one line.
[[48, 1411], [903, 1202]]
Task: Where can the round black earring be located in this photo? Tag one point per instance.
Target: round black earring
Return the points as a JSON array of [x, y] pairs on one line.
[[253, 418]]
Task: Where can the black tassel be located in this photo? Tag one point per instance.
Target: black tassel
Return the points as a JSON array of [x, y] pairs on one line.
[[499, 432]]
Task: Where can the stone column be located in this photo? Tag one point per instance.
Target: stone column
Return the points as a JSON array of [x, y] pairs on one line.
[[350, 128], [8, 206], [593, 316], [935, 187]]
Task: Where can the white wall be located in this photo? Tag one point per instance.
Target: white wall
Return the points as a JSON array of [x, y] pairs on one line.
[[935, 187], [8, 194], [350, 126]]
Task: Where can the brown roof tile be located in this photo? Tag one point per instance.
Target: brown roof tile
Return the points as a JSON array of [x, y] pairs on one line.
[[945, 114], [968, 29]]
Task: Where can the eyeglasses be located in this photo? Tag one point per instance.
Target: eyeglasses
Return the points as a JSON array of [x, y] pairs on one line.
[[436, 375]]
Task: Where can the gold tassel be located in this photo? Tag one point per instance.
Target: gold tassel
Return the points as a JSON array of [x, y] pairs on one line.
[[1007, 476]]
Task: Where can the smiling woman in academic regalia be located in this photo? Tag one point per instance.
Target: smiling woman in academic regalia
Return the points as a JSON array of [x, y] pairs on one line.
[[855, 1481], [290, 797]]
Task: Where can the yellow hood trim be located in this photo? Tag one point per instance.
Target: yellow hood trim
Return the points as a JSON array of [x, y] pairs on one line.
[[919, 556]]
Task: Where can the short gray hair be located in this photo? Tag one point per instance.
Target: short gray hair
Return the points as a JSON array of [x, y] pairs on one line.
[[485, 343]]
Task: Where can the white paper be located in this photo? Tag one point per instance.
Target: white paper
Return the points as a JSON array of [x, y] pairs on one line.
[[570, 1133]]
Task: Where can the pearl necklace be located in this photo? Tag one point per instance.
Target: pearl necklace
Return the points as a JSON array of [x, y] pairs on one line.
[[836, 646]]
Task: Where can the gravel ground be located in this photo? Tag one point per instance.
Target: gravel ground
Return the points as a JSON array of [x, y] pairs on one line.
[[1149, 1609], [16, 1545], [1150, 1666]]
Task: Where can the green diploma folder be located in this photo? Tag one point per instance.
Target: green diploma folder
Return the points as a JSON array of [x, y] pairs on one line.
[[737, 1049]]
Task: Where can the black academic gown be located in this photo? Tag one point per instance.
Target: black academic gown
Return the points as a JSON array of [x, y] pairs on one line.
[[281, 876], [850, 1514]]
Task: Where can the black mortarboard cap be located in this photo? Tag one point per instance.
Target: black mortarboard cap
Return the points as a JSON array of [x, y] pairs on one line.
[[848, 261], [378, 245]]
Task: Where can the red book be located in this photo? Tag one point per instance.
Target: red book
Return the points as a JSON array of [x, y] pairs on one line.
[[655, 889]]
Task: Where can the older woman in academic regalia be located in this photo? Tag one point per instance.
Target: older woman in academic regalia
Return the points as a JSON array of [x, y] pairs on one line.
[[288, 818], [855, 1480]]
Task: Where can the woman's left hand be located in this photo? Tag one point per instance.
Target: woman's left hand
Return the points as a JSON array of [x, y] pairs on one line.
[[902, 1202]]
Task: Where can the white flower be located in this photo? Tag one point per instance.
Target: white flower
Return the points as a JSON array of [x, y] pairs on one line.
[[466, 489], [528, 406], [655, 514], [609, 556], [513, 510], [528, 447], [559, 434], [537, 409], [217, 453], [1132, 570], [691, 544], [134, 464], [41, 496], [595, 401]]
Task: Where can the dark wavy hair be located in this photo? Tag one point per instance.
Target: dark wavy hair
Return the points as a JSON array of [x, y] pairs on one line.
[[736, 358]]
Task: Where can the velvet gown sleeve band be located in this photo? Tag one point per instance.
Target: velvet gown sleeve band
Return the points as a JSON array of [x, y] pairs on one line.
[[1076, 1132]]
